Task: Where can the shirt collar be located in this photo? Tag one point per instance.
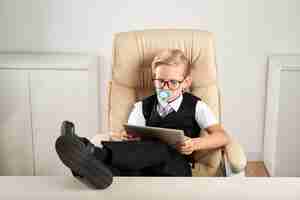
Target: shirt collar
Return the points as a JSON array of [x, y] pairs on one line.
[[176, 103]]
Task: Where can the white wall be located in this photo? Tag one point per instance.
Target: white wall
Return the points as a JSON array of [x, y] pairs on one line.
[[246, 33]]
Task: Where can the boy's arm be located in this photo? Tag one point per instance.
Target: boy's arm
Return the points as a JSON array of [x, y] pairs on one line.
[[216, 137], [136, 117]]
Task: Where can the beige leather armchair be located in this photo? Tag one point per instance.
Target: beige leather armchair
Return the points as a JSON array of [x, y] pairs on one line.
[[131, 81]]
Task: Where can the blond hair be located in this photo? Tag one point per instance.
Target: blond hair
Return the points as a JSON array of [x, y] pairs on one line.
[[171, 57]]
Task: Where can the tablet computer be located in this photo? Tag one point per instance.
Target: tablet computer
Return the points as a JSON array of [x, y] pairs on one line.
[[169, 136]]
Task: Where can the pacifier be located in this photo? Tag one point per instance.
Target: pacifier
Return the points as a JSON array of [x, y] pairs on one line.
[[164, 94]]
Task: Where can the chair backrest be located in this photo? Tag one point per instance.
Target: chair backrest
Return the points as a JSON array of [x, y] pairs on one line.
[[133, 53]]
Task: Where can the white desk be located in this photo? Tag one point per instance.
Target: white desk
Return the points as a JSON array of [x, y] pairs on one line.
[[38, 187]]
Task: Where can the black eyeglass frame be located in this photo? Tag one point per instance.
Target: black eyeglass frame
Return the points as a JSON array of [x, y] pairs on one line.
[[164, 82]]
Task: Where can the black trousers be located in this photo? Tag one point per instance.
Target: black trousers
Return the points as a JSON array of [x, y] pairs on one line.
[[146, 158]]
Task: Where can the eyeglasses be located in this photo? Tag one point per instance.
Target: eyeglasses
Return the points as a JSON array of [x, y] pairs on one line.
[[172, 84]]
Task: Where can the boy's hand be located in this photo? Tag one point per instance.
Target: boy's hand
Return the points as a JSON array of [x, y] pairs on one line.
[[132, 137], [187, 147]]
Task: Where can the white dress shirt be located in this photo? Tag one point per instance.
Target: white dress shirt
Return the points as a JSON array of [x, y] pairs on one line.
[[203, 114]]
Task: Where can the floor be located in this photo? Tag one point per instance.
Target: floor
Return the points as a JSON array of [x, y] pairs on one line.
[[256, 169]]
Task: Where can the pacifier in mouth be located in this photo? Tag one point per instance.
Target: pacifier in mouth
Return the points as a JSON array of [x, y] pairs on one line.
[[164, 94]]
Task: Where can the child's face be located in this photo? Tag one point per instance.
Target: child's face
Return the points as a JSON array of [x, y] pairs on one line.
[[167, 72]]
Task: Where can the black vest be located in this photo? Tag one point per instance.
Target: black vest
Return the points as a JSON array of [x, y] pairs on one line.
[[183, 119]]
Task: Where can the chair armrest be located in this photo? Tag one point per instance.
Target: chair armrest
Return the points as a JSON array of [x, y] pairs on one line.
[[109, 136], [235, 156], [99, 137]]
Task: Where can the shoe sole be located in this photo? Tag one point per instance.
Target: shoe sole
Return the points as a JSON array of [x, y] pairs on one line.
[[73, 154]]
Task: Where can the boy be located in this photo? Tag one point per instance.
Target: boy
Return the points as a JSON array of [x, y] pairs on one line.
[[169, 107]]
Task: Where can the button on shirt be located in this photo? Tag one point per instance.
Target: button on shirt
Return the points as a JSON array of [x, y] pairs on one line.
[[203, 114]]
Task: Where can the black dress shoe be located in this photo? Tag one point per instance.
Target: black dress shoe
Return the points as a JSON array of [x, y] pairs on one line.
[[79, 157], [67, 128]]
